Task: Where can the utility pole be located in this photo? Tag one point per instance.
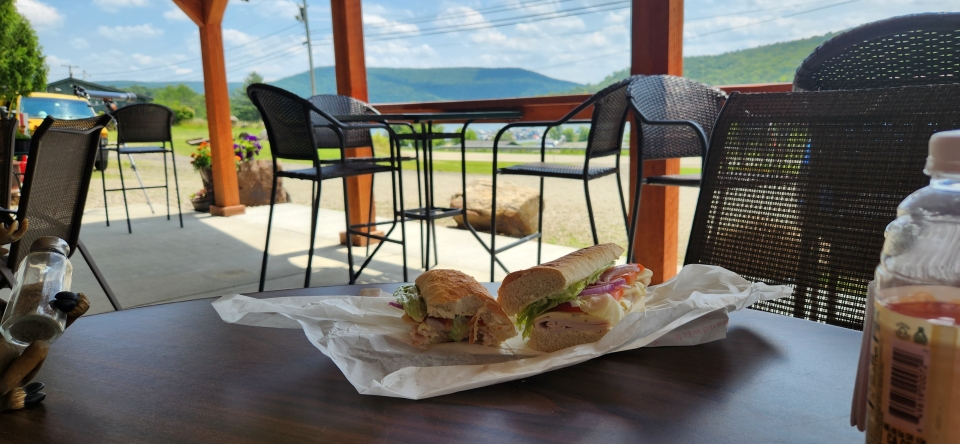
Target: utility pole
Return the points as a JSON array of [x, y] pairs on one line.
[[302, 18], [70, 68]]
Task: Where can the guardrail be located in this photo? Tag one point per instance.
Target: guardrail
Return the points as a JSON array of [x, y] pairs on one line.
[[540, 108]]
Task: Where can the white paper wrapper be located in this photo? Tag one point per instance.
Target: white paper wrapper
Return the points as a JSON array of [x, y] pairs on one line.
[[366, 339]]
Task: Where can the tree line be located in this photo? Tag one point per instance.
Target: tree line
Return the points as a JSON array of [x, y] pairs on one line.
[[188, 104]]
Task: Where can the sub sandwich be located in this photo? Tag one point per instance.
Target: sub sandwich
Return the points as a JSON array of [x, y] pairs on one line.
[[575, 299], [449, 306]]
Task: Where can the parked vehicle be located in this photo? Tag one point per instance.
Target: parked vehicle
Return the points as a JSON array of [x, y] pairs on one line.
[[39, 105]]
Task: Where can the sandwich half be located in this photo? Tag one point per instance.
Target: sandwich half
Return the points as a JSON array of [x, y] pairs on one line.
[[449, 306], [575, 299]]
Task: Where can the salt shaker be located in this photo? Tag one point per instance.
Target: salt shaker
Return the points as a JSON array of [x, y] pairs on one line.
[[40, 299]]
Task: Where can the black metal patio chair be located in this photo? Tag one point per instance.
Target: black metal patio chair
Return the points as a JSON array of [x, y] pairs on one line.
[[8, 134], [610, 106], [676, 117], [62, 154], [919, 49], [799, 187], [296, 129], [143, 123]]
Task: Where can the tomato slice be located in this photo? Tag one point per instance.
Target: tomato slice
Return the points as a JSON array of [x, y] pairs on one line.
[[617, 294], [567, 307], [631, 278]]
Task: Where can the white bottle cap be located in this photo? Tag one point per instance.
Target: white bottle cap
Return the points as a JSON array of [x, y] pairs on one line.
[[944, 153]]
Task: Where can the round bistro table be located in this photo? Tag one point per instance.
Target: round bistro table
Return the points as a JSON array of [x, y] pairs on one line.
[[177, 373]]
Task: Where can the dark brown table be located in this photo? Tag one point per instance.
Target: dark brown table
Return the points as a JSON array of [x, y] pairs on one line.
[[177, 373]]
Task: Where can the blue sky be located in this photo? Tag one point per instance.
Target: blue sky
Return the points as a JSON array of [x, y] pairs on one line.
[[576, 40]]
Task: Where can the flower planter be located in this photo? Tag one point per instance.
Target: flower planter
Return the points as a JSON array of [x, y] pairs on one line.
[[255, 179], [201, 206]]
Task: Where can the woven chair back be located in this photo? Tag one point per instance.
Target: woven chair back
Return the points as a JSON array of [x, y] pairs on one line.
[[55, 187], [666, 97], [8, 136], [144, 122], [609, 117], [289, 122], [337, 105], [920, 49], [798, 189]]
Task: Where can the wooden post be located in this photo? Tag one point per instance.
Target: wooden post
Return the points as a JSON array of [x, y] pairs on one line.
[[656, 48], [351, 71], [208, 15]]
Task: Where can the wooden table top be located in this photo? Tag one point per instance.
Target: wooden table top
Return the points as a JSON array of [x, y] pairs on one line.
[[177, 373]]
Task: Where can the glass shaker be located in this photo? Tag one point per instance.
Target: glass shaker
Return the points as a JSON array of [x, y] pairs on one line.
[[35, 311]]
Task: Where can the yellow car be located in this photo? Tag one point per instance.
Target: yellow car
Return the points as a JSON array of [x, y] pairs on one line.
[[39, 105]]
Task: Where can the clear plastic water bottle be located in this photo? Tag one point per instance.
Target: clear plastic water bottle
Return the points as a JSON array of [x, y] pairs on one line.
[[914, 381], [34, 313]]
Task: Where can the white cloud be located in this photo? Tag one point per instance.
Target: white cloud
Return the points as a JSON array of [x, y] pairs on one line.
[[182, 71], [175, 14], [144, 60], [379, 25], [41, 15], [79, 43], [117, 5], [235, 37], [286, 9], [128, 32]]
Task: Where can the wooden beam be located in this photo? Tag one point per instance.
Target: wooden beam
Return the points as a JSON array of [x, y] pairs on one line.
[[351, 72], [656, 48], [208, 15]]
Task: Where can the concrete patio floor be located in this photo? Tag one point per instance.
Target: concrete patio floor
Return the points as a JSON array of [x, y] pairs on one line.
[[213, 256]]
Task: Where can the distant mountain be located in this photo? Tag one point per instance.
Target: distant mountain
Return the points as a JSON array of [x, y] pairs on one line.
[[413, 85], [434, 84], [776, 62], [196, 86]]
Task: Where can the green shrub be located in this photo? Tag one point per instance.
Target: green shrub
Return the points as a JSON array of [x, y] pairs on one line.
[[183, 113]]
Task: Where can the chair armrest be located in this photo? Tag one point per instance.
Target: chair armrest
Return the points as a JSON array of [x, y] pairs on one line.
[[701, 135]]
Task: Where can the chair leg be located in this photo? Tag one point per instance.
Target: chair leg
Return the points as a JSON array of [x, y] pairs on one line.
[[103, 180], [97, 274], [266, 247], [123, 189], [313, 233], [493, 224], [623, 204], [540, 222], [346, 214], [403, 224], [176, 183], [593, 224], [634, 216], [166, 183]]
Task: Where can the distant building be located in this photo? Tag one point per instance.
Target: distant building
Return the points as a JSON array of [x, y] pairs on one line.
[[65, 86]]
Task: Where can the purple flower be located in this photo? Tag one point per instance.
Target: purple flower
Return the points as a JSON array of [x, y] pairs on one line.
[[252, 138]]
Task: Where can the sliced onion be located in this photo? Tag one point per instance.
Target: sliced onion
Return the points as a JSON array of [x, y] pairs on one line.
[[605, 287], [395, 304], [435, 323], [619, 270]]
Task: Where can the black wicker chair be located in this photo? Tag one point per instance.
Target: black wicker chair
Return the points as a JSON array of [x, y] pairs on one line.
[[676, 117], [8, 134], [62, 154], [920, 49], [296, 129], [610, 107], [143, 123], [798, 189]]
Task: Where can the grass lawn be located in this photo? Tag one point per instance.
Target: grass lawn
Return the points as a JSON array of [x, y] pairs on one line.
[[192, 130]]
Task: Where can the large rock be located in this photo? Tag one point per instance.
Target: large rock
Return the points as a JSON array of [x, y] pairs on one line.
[[516, 208], [255, 179]]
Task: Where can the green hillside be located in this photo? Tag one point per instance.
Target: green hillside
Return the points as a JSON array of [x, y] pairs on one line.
[[764, 64], [413, 85], [434, 84], [196, 86]]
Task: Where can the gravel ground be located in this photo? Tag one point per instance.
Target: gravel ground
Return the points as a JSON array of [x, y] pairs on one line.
[[565, 215]]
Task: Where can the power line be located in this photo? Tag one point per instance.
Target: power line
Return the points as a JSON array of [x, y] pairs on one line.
[[171, 65], [702, 35]]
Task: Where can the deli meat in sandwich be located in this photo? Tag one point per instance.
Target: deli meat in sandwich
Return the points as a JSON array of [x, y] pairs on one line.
[[576, 299], [447, 305]]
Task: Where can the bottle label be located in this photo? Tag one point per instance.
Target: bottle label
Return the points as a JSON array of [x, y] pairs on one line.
[[914, 384]]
